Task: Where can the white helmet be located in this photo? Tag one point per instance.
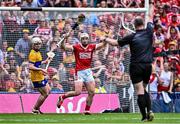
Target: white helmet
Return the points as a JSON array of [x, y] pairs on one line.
[[84, 35], [36, 40]]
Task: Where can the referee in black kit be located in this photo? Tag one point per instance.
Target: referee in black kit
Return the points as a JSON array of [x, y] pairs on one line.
[[141, 50]]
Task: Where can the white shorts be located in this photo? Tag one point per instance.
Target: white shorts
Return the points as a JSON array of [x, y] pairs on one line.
[[85, 76]]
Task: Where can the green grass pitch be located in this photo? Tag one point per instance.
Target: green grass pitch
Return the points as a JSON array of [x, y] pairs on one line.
[[108, 118]]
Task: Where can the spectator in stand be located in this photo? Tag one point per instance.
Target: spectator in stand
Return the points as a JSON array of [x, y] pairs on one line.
[[163, 14], [4, 50], [7, 3], [22, 47], [153, 79], [13, 65], [177, 83], [99, 72], [60, 23], [56, 87], [174, 16], [102, 30], [126, 78], [27, 86], [45, 32], [165, 77], [159, 37], [92, 19], [11, 53], [69, 62], [30, 3], [80, 3], [174, 21], [11, 82], [173, 34], [20, 18], [31, 20], [2, 62], [102, 4], [53, 3], [11, 28], [65, 3], [62, 71], [24, 77], [157, 21], [128, 20], [1, 29], [18, 3], [99, 88]]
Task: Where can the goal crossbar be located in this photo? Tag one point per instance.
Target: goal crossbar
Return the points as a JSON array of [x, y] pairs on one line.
[[66, 9]]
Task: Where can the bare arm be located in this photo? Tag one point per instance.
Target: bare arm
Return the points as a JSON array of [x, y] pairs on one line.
[[171, 83], [113, 42], [66, 46], [51, 3], [106, 51], [151, 11], [4, 69], [168, 33], [98, 72], [92, 3], [122, 3], [178, 32], [46, 61], [98, 67], [100, 45]]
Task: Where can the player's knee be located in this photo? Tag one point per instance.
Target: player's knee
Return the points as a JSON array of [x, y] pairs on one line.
[[91, 93]]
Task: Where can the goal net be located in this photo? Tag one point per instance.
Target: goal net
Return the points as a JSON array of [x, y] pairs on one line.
[[110, 65]]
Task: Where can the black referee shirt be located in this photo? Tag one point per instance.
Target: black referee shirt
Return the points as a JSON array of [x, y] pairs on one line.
[[140, 44]]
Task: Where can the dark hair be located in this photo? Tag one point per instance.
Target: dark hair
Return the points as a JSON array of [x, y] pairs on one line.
[[138, 22]]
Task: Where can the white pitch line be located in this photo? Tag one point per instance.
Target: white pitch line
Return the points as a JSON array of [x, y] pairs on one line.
[[161, 118]]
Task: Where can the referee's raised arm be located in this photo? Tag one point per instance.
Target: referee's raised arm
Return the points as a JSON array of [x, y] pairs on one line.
[[151, 11]]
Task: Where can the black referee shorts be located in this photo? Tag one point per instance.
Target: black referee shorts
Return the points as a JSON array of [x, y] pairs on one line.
[[140, 72]]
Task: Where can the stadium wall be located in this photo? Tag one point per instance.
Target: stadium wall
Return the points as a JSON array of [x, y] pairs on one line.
[[23, 103]]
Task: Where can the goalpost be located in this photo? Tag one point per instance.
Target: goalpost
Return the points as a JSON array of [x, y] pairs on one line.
[[97, 12]]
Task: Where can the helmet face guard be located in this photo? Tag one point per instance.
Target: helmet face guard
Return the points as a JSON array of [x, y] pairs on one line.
[[84, 35]]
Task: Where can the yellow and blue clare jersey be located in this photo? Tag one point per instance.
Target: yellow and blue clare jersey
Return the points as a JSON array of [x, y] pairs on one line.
[[36, 59]]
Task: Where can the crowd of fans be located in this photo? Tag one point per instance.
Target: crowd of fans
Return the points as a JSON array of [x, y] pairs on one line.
[[73, 3], [110, 65]]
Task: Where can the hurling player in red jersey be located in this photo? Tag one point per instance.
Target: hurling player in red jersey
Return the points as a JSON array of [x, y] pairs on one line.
[[83, 55]]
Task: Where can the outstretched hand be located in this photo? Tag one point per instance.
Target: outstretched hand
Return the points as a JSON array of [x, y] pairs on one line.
[[102, 38]]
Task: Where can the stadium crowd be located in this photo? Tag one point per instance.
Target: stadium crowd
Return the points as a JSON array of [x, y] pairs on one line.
[[73, 3], [110, 65]]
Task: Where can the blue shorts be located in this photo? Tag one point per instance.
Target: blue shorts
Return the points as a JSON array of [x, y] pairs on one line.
[[85, 76], [40, 84]]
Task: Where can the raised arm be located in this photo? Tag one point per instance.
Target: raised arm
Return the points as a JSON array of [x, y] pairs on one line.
[[66, 46], [151, 11], [100, 45], [112, 42]]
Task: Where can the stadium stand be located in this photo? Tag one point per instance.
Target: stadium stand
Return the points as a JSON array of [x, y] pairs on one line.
[[113, 76]]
